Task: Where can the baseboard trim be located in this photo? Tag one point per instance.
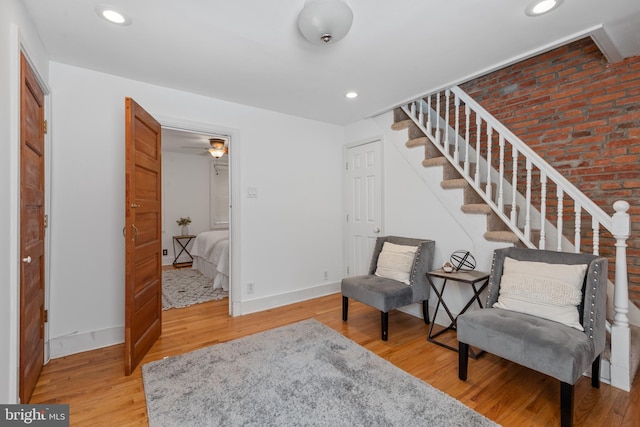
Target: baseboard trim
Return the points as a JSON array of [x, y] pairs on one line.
[[273, 301], [77, 342]]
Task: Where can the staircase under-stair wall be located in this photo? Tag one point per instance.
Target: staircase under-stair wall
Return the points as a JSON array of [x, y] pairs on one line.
[[500, 180]]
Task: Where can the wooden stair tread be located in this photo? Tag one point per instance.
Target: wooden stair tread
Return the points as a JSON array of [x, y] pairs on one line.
[[501, 236]]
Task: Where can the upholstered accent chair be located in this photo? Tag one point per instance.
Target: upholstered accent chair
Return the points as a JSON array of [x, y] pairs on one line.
[[558, 347], [386, 293]]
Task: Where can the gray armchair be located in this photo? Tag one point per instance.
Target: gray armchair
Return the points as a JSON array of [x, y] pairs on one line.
[[546, 346], [388, 294]]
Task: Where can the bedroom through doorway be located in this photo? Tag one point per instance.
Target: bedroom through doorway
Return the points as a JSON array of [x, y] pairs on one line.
[[196, 216]]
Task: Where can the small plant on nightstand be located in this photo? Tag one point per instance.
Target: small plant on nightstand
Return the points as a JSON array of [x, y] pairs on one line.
[[184, 223]]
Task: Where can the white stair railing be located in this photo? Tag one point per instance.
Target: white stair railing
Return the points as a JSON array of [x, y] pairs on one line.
[[463, 131]]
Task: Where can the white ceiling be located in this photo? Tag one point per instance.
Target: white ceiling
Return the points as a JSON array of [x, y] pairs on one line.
[[251, 51]]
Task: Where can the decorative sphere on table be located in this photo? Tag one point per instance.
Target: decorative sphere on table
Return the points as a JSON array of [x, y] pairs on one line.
[[462, 260]]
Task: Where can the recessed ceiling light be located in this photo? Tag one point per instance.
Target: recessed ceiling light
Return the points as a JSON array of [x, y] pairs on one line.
[[352, 95], [113, 15], [540, 7]]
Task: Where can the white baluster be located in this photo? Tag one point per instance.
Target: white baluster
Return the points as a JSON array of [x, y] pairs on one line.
[[438, 119], [447, 93], [456, 102], [578, 213], [413, 108], [429, 126], [595, 226], [560, 195], [478, 132], [543, 211], [421, 113], [467, 112], [489, 141], [514, 190], [501, 173], [527, 217]]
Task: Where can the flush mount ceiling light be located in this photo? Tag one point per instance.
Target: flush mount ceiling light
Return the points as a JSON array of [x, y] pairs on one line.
[[325, 21], [113, 15], [352, 95], [541, 7]]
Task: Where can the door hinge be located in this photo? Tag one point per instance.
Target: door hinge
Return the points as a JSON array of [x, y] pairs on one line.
[[346, 166], [46, 316], [44, 127], [347, 217], [46, 221], [347, 270]]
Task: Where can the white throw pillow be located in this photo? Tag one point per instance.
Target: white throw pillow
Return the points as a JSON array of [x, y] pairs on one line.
[[550, 291], [395, 262]]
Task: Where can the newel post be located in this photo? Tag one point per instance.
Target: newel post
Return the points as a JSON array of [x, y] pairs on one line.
[[620, 334]]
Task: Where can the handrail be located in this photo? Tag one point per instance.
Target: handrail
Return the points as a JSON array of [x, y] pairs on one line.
[[596, 211]]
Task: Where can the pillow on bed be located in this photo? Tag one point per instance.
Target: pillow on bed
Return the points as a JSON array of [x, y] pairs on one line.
[[550, 291], [395, 262]]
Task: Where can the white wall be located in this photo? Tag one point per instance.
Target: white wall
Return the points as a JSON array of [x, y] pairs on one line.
[[16, 32], [186, 186], [285, 238]]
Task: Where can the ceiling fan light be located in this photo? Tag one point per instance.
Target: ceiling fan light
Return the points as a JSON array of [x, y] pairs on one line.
[[216, 153], [218, 148], [325, 21]]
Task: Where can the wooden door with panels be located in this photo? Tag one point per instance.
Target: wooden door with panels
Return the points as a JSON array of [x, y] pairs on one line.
[[32, 228], [143, 234], [364, 204]]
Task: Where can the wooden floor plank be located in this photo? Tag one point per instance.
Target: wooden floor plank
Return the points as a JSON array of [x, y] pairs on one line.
[[99, 393]]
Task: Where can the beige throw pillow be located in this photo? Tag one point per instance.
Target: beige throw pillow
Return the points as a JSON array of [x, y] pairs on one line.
[[395, 262], [550, 291]]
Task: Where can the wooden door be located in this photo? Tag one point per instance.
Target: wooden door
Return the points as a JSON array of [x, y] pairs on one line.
[[32, 316], [143, 234], [364, 204]]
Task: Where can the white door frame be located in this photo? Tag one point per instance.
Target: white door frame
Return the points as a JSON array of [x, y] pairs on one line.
[[346, 193]]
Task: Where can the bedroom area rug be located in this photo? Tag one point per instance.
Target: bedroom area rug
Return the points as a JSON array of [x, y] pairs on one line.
[[185, 287], [304, 374]]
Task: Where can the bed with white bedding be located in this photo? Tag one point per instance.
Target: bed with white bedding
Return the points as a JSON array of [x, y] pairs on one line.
[[210, 254]]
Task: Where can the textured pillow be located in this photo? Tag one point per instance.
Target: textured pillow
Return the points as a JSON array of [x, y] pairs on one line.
[[550, 291], [395, 262]]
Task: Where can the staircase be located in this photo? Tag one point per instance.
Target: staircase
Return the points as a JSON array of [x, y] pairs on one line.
[[526, 201]]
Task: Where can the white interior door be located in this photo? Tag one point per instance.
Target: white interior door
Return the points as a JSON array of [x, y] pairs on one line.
[[363, 203]]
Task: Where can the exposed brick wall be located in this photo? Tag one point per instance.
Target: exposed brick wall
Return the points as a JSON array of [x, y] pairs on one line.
[[582, 115]]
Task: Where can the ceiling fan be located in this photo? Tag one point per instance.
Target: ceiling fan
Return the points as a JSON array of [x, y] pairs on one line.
[[218, 147]]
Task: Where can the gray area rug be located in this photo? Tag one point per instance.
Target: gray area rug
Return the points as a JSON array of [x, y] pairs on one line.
[[304, 374], [182, 288]]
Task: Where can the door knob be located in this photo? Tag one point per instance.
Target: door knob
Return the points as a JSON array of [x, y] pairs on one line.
[[376, 230], [27, 260]]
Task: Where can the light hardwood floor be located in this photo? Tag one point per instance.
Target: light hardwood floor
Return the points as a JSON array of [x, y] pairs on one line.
[[99, 394]]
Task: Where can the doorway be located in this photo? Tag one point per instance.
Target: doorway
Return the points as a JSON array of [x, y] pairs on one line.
[[196, 185]]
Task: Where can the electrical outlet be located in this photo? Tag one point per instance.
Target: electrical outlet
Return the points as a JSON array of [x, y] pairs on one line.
[[326, 275], [251, 287], [165, 252]]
